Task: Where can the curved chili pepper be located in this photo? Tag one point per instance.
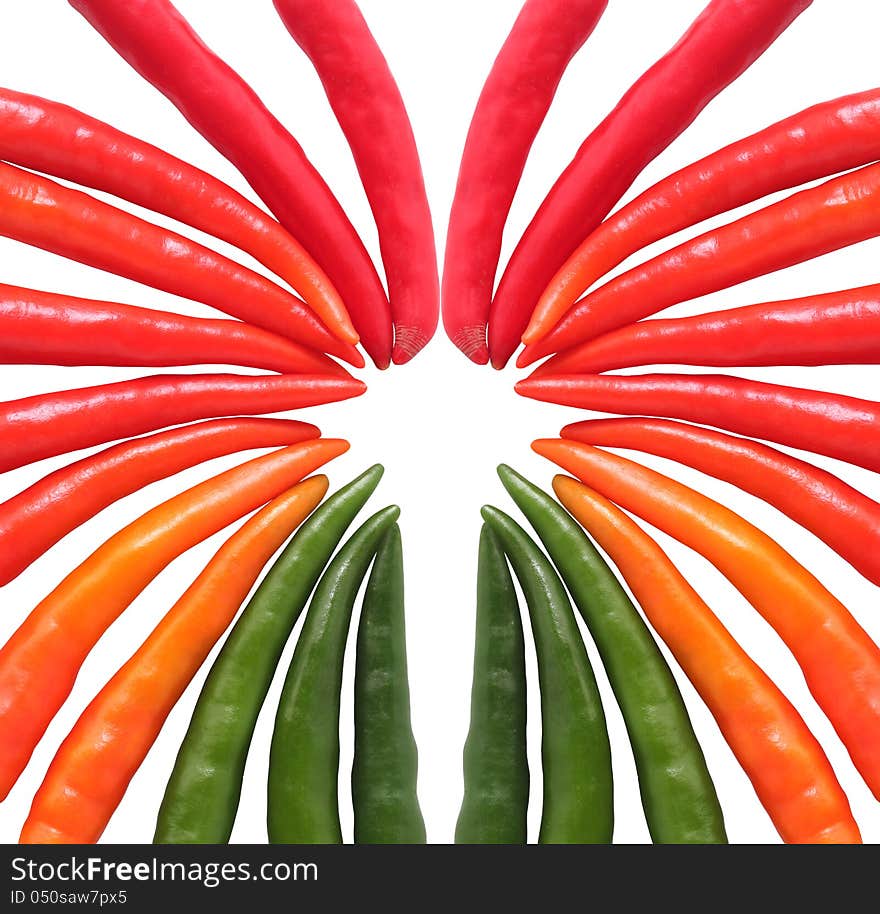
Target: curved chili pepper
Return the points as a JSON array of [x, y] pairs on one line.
[[40, 662], [93, 766], [37, 518], [838, 213], [52, 138], [838, 328], [367, 103], [823, 140], [153, 37], [511, 108], [839, 660], [785, 763], [846, 428], [841, 516], [50, 424], [727, 37], [41, 328], [47, 215], [494, 809]]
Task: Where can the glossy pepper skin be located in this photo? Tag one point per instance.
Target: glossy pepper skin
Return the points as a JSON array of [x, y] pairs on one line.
[[370, 110], [726, 38], [823, 140], [812, 222], [576, 755], [843, 427], [40, 661], [35, 519], [785, 763], [495, 806], [42, 328], [45, 136], [93, 767], [385, 768], [837, 328], [511, 108], [202, 795], [75, 225], [303, 804], [841, 516], [50, 424], [153, 37], [678, 796], [839, 660]]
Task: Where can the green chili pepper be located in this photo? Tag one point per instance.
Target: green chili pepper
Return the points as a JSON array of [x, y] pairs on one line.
[[496, 767], [303, 803], [576, 755], [678, 796], [202, 795], [384, 773]]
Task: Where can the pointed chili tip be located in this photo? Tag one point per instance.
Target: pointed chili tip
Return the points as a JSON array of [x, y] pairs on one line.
[[543, 445], [499, 362], [528, 355]]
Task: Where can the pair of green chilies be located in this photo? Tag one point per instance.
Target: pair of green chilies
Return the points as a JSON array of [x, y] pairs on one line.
[[202, 796], [678, 796]]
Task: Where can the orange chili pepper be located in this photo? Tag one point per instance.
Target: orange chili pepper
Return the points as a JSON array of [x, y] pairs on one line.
[[839, 660], [788, 769], [94, 765], [40, 662]]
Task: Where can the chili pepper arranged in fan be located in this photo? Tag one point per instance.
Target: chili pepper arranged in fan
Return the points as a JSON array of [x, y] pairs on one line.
[[93, 767], [578, 803], [511, 108], [839, 660], [785, 763], [35, 519], [202, 795], [369, 108], [823, 140], [385, 767], [41, 328], [68, 222], [678, 796], [837, 328], [50, 424], [841, 212], [156, 40], [57, 140], [846, 428], [496, 767], [303, 805], [40, 661], [727, 37], [841, 516]]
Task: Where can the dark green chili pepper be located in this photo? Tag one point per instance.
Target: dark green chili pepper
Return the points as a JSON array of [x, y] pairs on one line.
[[678, 796], [496, 767], [303, 805], [384, 773], [202, 795], [576, 755]]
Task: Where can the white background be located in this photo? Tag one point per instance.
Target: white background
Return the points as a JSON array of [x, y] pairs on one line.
[[440, 424]]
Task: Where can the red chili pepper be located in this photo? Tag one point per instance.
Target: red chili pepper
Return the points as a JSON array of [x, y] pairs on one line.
[[50, 424], [153, 37], [727, 37], [509, 113], [45, 136], [838, 213], [368, 105], [841, 516], [831, 424], [838, 328], [820, 141], [41, 328], [40, 212], [37, 518]]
